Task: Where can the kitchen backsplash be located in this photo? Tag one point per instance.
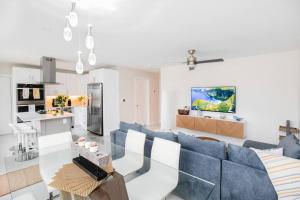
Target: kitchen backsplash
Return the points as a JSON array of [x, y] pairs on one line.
[[75, 100]]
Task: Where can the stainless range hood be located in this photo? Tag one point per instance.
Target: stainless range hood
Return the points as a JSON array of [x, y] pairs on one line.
[[48, 72]]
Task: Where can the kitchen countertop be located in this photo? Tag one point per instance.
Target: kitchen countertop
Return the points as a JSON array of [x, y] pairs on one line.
[[56, 108], [28, 116]]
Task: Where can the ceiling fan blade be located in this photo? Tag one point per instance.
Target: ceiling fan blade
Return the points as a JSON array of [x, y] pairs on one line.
[[210, 61]]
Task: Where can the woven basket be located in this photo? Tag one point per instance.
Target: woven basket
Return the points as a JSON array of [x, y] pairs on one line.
[[183, 112]]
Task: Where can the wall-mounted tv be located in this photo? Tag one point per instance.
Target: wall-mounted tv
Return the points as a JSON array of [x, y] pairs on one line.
[[214, 99]]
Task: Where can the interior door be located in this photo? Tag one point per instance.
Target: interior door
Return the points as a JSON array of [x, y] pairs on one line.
[[5, 105], [141, 101]]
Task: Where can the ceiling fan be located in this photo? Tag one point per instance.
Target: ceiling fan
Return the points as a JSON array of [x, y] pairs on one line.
[[192, 60]]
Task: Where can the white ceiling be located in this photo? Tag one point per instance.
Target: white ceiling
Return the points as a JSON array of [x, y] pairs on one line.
[[148, 33]]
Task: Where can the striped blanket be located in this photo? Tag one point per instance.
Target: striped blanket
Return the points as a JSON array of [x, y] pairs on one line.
[[284, 173]]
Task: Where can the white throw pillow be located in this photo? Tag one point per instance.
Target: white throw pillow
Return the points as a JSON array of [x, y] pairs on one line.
[[275, 151]]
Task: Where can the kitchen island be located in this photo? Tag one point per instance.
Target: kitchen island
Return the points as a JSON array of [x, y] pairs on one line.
[[46, 124]]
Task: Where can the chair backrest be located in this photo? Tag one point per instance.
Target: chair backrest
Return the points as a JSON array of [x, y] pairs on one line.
[[14, 128], [59, 141], [135, 141], [166, 152]]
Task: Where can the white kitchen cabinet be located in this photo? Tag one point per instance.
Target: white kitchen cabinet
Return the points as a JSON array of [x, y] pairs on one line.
[[61, 79], [96, 76], [68, 84], [26, 75], [84, 80], [72, 84], [59, 88]]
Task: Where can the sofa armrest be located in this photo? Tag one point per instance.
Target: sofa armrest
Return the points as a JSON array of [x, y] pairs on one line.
[[113, 136], [258, 145]]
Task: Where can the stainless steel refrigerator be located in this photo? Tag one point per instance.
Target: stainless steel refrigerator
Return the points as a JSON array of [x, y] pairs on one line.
[[95, 108]]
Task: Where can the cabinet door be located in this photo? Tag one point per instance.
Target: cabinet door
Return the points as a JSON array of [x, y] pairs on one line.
[[26, 75], [231, 129], [61, 87], [96, 76], [73, 81], [84, 79], [205, 125], [57, 89], [92, 76], [36, 75], [185, 121]]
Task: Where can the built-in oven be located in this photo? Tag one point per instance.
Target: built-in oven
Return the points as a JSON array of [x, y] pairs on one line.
[[30, 98], [30, 94]]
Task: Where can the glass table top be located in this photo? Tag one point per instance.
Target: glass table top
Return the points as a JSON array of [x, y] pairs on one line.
[[140, 172]]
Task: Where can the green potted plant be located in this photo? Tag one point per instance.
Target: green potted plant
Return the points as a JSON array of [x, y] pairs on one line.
[[61, 102], [81, 100]]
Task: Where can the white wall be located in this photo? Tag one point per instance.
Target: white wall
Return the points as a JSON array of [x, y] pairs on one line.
[[267, 90], [299, 91], [6, 112], [127, 108]]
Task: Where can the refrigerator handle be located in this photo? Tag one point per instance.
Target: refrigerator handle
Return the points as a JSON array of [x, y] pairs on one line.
[[90, 102]]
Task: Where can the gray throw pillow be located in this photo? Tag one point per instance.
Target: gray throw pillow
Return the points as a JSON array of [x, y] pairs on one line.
[[164, 135], [124, 126], [291, 146], [210, 148]]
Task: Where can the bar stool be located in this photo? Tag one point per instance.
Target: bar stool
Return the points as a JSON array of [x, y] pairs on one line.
[[27, 141]]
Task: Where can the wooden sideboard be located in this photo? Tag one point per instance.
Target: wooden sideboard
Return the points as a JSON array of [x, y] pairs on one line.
[[224, 127]]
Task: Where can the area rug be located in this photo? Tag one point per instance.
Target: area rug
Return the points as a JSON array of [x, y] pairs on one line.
[[16, 180]]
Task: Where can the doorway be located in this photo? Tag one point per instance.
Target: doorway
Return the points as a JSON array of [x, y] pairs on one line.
[[5, 104], [142, 105]]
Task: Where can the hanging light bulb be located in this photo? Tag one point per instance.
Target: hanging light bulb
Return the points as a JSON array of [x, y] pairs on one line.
[[92, 57], [73, 17], [67, 31], [89, 40], [79, 64]]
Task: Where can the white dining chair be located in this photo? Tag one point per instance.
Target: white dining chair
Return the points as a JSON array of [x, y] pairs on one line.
[[162, 178], [49, 162], [133, 158]]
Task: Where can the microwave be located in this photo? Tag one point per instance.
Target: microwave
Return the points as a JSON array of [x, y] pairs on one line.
[[26, 108]]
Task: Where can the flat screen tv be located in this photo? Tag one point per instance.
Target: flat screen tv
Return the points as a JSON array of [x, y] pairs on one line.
[[214, 99]]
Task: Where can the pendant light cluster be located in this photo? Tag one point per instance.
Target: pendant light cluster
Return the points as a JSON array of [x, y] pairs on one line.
[[72, 21], [90, 43]]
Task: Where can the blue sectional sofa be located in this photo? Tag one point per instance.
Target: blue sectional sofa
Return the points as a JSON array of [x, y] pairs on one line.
[[237, 172]]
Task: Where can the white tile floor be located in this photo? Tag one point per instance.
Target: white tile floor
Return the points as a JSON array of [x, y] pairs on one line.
[[39, 189]]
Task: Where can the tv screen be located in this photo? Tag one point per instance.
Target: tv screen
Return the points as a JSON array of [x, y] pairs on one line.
[[214, 99]]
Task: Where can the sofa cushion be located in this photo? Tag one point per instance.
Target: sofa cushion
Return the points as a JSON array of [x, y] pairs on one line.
[[244, 156], [164, 135], [210, 148], [240, 182], [201, 166], [291, 146], [124, 126]]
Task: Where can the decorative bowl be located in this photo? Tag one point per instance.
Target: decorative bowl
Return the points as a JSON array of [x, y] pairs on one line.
[[81, 141], [183, 112], [87, 145], [93, 147]]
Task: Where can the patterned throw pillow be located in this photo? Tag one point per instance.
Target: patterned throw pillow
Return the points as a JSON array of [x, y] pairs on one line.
[[275, 151]]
